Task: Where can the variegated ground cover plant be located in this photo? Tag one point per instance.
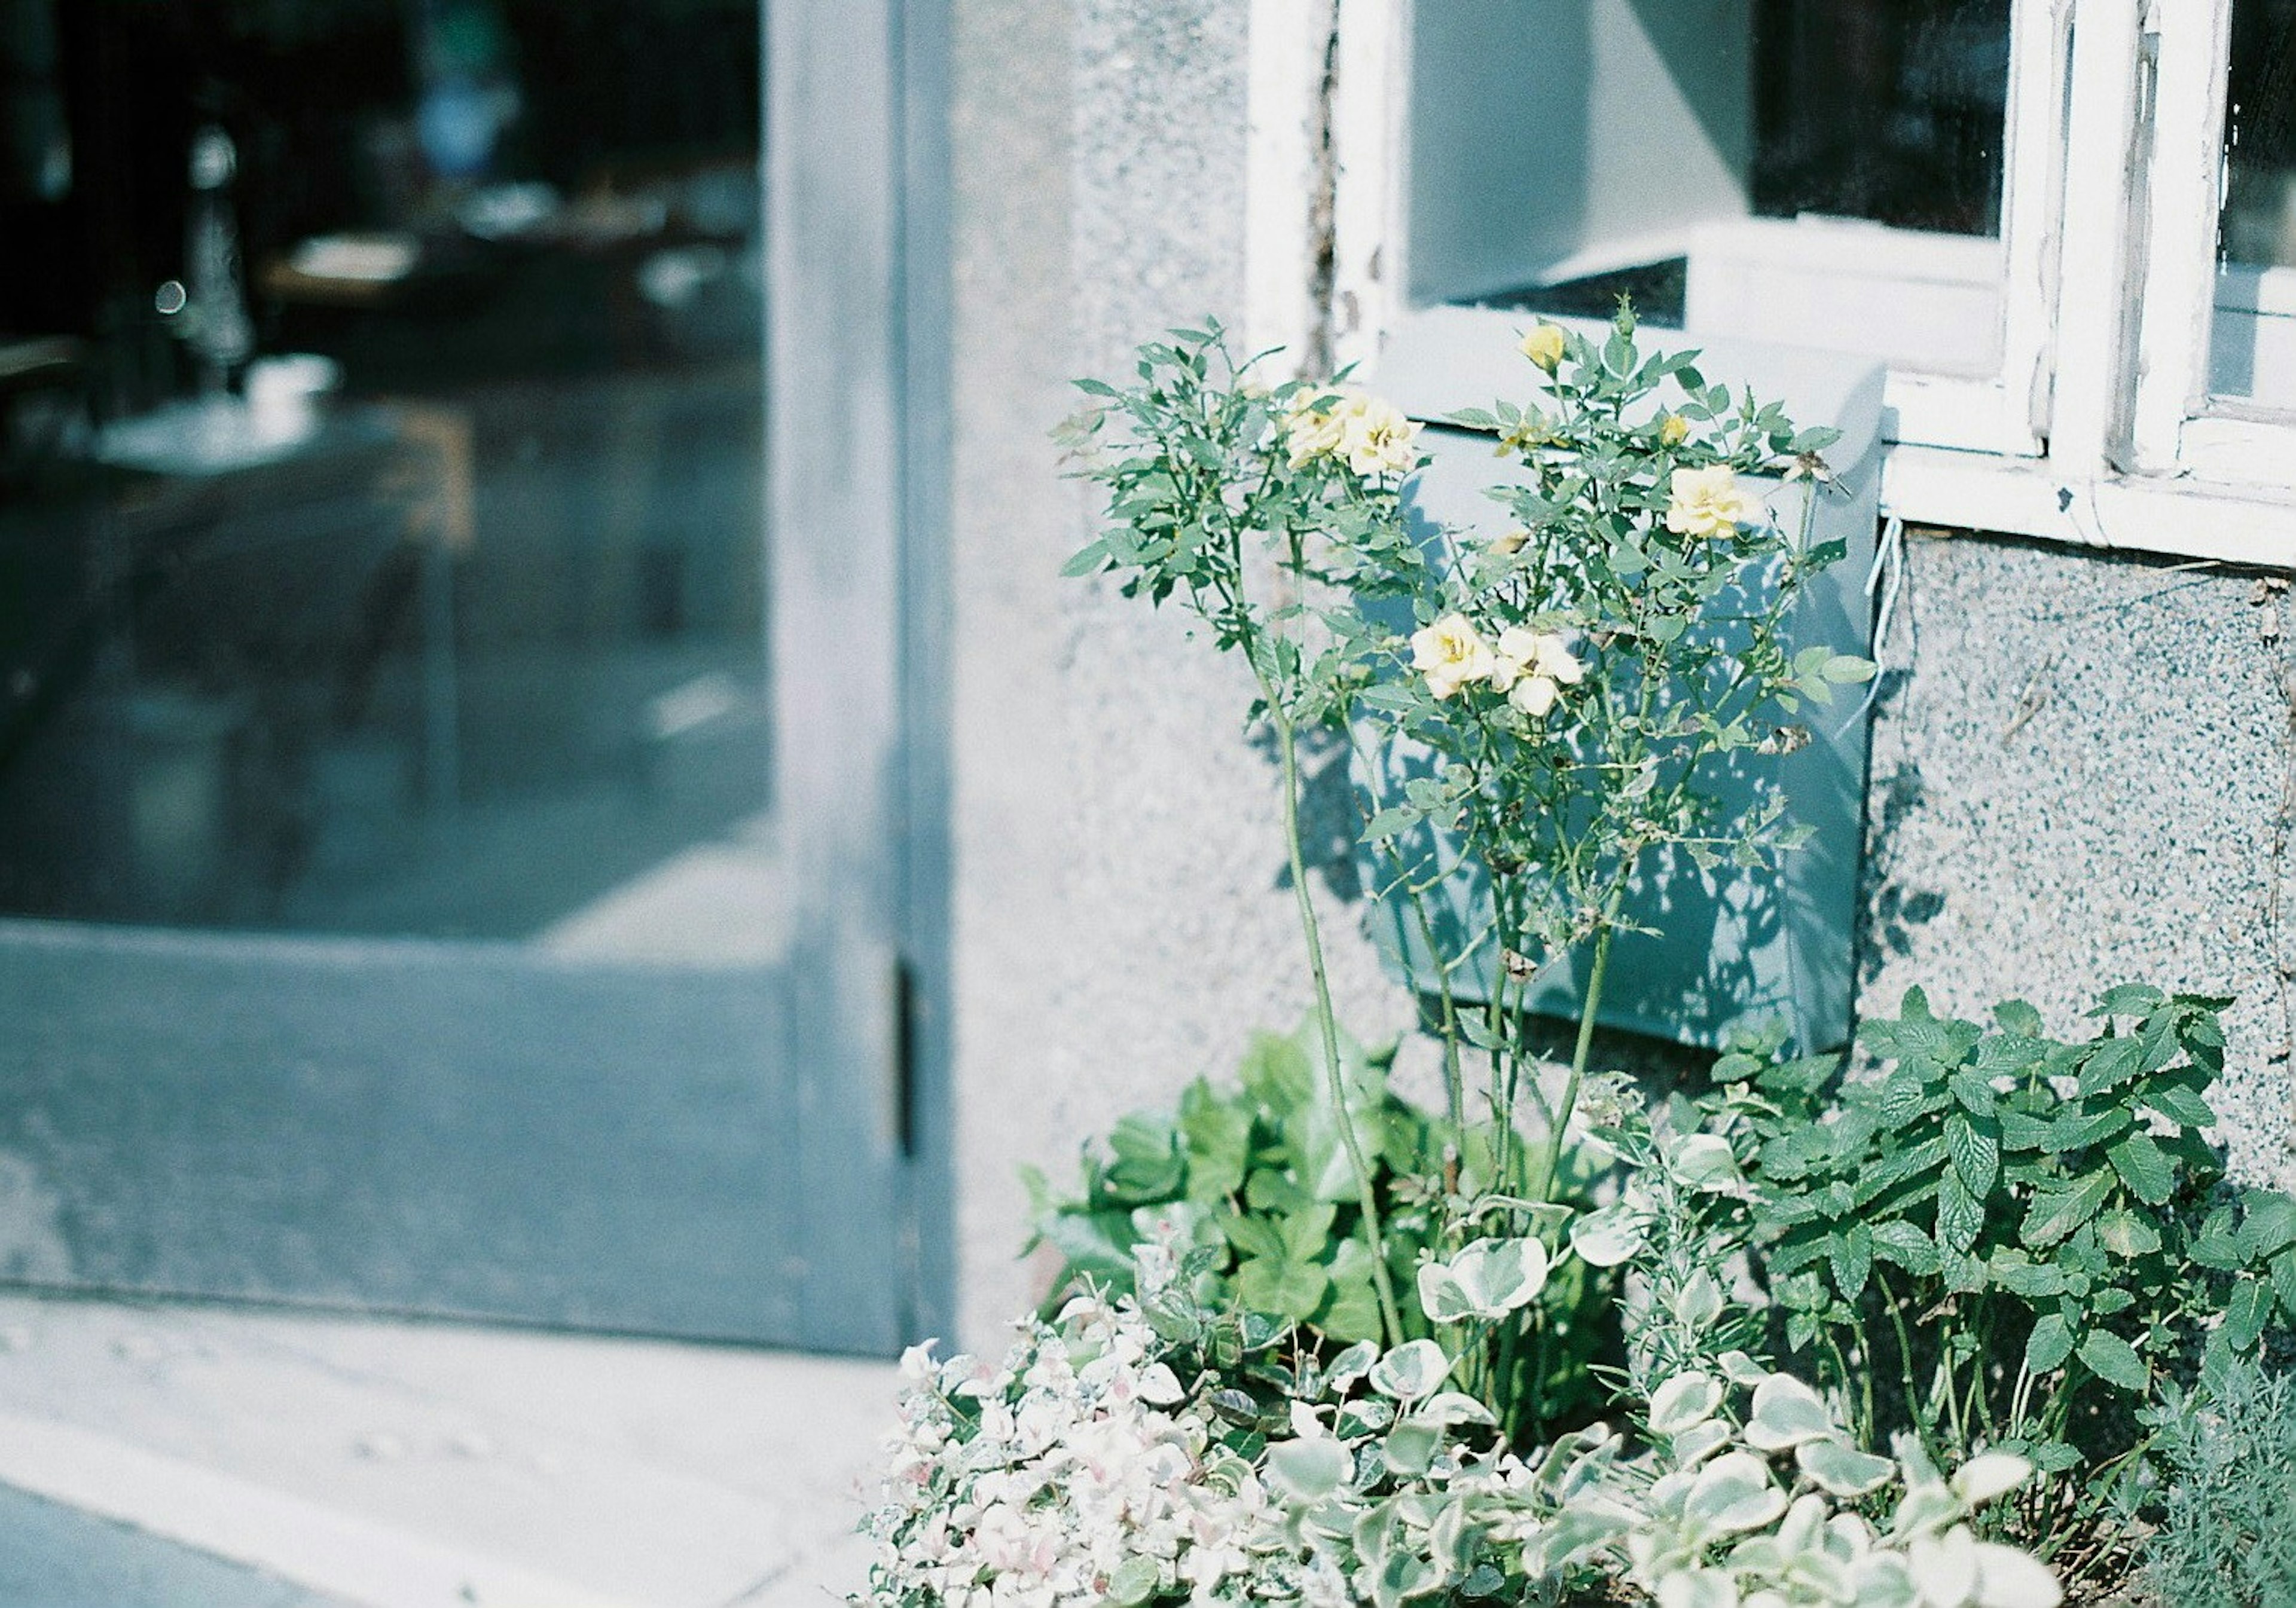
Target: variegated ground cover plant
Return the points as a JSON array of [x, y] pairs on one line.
[[1902, 1340]]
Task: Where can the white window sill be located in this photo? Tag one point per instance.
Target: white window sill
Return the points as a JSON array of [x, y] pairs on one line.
[[2181, 516]]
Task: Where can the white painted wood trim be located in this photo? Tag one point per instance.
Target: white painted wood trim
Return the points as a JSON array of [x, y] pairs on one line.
[[1283, 188], [2184, 518], [2191, 43], [1369, 119], [2032, 204], [2087, 410]]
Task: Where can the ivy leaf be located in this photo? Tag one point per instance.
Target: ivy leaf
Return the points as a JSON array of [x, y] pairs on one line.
[[2049, 1344], [2148, 1173], [2055, 1215], [2115, 1361], [1975, 1146]]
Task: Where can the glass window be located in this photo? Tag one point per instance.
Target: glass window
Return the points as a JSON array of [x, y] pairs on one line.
[[1731, 164], [380, 422], [2252, 354]]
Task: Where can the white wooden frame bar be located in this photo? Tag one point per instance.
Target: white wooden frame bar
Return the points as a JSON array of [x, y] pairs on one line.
[[2098, 430]]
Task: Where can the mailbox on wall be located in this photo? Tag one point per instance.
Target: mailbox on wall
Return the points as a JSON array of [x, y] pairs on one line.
[[1724, 950]]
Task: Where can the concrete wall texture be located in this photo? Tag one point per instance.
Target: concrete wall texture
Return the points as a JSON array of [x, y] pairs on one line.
[[2079, 760]]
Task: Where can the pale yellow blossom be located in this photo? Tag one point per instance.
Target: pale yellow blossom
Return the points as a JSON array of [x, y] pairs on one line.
[[1513, 542], [1371, 436], [1544, 346], [1379, 442], [1450, 653], [1673, 429], [1708, 502], [1533, 668]]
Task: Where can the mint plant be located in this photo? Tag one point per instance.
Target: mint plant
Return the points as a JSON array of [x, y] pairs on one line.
[[2011, 1241]]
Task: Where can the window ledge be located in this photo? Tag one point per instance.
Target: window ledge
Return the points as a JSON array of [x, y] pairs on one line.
[[2180, 516]]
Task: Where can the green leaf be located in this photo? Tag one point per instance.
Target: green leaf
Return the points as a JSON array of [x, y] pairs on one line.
[[1134, 1581], [1960, 1218], [1309, 1470], [2127, 1234], [2144, 1168], [2129, 1000], [1975, 1146], [2115, 1361], [2055, 1215], [2049, 1344], [2186, 1107], [1906, 1245], [2246, 1313], [2283, 1281], [1851, 1255], [1841, 1471], [2018, 1018], [1086, 560], [2268, 1226], [2111, 1063], [1410, 1371], [1291, 1290]]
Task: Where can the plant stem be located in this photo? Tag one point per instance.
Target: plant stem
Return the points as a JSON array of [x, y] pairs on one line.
[[1287, 747], [1586, 1009]]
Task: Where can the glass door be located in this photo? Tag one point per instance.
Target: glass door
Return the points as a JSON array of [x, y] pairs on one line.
[[392, 914]]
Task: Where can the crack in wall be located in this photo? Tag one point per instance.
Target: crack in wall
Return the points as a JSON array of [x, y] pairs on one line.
[[1323, 210]]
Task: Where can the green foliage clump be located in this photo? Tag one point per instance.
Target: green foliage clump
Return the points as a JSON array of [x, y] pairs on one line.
[[2006, 1240], [1253, 1176], [2226, 1504]]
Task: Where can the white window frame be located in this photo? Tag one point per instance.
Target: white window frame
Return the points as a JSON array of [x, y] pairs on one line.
[[2096, 430]]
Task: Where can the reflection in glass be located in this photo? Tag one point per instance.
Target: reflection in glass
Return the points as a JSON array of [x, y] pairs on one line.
[[380, 422], [1888, 109], [2253, 349], [1726, 163]]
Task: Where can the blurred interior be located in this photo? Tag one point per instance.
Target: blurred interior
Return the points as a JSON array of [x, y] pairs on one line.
[[379, 429]]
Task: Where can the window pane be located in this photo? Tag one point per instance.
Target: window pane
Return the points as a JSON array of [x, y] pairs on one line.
[[380, 425], [1888, 109], [2253, 352], [1729, 163]]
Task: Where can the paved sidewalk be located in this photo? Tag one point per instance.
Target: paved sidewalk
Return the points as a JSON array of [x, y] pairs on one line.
[[294, 1461]]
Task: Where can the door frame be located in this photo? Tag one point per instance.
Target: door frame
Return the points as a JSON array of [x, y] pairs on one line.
[[857, 312]]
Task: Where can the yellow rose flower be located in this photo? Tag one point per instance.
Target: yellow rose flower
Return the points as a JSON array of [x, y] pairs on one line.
[[1673, 429], [1533, 668], [1511, 543], [1377, 441], [1708, 502], [1450, 653], [1310, 433], [1370, 437], [1543, 346]]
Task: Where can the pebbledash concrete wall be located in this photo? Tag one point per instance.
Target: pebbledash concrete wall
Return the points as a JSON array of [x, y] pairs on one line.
[[2079, 760]]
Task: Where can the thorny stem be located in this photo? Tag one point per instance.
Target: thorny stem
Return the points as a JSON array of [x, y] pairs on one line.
[[1288, 748]]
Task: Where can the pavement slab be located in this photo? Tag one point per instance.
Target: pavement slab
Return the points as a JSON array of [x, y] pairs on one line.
[[404, 1464]]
